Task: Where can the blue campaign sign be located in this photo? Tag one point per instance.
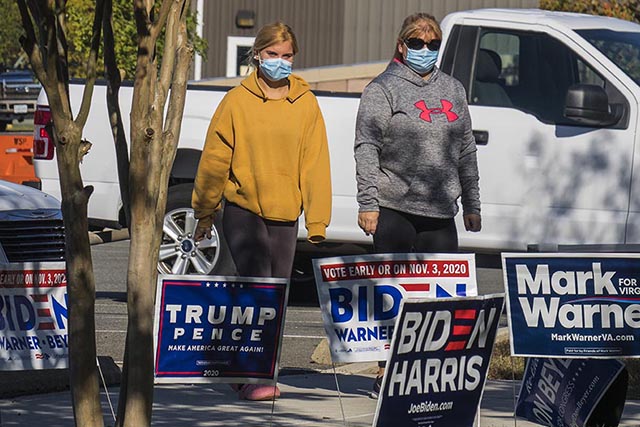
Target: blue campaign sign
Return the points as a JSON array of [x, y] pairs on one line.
[[564, 392], [219, 329], [573, 305], [438, 363]]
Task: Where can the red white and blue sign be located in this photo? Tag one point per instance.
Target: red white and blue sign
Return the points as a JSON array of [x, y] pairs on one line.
[[573, 305], [33, 316], [564, 392], [438, 363], [219, 329], [360, 296]]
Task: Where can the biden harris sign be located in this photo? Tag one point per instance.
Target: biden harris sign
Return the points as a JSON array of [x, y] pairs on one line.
[[438, 363]]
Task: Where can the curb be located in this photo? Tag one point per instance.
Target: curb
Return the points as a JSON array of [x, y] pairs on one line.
[[106, 236], [322, 356]]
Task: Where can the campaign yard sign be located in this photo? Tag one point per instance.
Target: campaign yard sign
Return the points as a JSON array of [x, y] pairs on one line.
[[564, 392], [218, 329], [573, 305], [438, 364], [360, 296], [33, 316]]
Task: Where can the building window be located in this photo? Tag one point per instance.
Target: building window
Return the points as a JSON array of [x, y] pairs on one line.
[[238, 51]]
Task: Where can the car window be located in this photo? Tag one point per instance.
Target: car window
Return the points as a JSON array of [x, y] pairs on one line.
[[529, 71], [621, 47]]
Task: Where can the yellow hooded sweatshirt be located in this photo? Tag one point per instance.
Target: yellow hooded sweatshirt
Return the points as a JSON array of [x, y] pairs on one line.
[[269, 156]]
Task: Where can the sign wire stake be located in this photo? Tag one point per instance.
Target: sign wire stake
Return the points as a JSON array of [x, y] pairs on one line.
[[106, 390], [513, 389], [273, 406], [335, 377]]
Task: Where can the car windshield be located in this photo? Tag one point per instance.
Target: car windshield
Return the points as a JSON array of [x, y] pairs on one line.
[[621, 47]]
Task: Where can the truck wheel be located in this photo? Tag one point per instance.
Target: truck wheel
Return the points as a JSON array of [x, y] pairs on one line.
[[179, 253]]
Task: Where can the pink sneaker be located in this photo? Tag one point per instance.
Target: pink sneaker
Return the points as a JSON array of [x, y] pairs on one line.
[[259, 392]]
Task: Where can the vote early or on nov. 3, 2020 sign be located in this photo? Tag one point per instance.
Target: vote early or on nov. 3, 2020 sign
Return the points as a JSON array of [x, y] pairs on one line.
[[361, 295], [33, 316]]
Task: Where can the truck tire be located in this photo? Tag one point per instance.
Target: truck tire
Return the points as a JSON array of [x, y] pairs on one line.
[[179, 253]]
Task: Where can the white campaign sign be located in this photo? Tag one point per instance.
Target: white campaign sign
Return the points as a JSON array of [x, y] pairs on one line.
[[360, 296], [33, 316]]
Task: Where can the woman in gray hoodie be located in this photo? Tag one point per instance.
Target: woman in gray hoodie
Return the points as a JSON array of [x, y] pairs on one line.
[[415, 152]]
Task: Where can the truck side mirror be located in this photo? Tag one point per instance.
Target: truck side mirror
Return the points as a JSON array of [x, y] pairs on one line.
[[589, 105]]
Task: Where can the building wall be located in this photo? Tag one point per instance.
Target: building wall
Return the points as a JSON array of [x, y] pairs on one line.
[[371, 26], [314, 22], [329, 32]]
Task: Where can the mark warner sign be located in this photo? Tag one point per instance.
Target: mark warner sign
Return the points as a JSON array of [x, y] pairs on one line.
[[573, 305]]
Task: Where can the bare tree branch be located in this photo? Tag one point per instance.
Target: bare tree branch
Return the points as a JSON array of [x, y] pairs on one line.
[[156, 27], [85, 106], [49, 23], [61, 63], [184, 51], [29, 42], [169, 54], [56, 84], [177, 101], [144, 66], [114, 80]]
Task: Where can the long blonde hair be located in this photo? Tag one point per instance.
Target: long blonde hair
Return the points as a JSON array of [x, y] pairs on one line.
[[417, 24], [271, 34]]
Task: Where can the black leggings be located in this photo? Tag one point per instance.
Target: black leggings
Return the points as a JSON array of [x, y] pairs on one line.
[[259, 247], [400, 232]]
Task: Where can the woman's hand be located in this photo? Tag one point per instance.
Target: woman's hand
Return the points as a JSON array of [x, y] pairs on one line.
[[368, 221], [472, 222], [201, 233]]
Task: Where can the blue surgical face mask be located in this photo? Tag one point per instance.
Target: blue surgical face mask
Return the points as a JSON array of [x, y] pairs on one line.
[[275, 69], [421, 61]]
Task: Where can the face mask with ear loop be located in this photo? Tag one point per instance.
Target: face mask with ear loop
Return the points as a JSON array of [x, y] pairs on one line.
[[421, 61], [275, 69]]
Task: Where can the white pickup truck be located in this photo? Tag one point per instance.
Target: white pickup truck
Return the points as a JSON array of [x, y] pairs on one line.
[[554, 99]]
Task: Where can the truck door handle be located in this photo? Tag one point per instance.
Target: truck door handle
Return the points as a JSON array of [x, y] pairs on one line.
[[481, 136]]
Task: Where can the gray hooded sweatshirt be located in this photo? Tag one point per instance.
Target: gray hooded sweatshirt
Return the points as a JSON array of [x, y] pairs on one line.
[[414, 148]]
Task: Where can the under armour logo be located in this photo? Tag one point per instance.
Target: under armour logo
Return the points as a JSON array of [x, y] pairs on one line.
[[427, 112]]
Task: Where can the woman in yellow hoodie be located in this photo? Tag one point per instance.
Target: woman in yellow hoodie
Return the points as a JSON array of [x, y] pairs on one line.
[[266, 155]]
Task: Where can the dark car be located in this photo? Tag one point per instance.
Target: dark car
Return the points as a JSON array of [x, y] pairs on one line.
[[18, 95]]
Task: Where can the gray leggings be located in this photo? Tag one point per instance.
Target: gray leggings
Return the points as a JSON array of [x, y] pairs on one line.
[[259, 247]]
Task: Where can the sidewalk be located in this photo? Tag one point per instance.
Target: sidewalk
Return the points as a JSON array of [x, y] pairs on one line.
[[307, 400]]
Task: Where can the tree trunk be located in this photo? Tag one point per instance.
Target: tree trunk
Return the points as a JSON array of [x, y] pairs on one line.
[[141, 279], [153, 148], [45, 43], [81, 289]]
